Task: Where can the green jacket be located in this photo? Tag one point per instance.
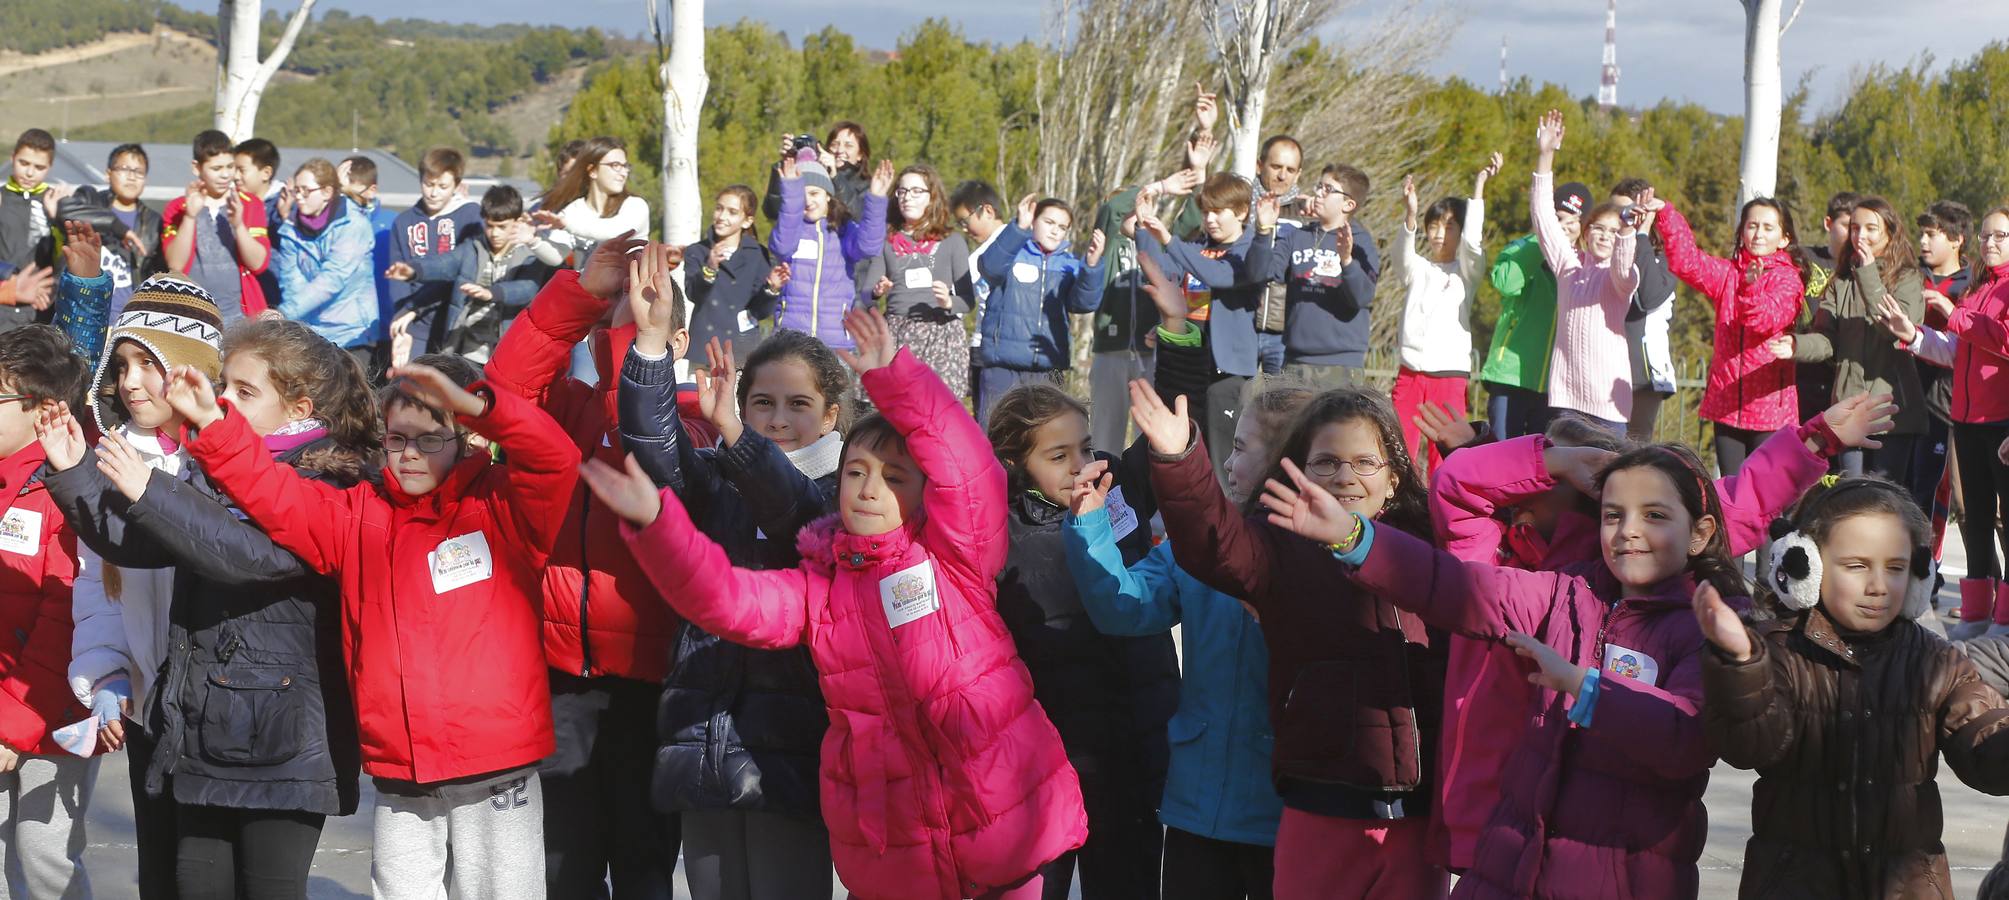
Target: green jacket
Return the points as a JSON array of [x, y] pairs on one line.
[[1127, 313], [1526, 331], [1846, 331]]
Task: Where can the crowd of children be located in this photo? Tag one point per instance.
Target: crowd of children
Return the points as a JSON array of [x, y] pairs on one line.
[[304, 489]]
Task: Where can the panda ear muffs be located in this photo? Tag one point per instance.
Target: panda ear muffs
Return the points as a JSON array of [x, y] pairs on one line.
[[1796, 571], [1918, 590]]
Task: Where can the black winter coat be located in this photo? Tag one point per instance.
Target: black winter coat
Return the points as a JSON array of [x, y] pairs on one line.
[[93, 207], [740, 728], [1110, 697], [251, 708], [719, 296]]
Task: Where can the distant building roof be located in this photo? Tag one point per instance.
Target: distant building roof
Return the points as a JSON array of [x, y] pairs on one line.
[[83, 162]]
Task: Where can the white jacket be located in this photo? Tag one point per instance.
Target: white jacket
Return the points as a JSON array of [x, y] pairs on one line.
[[127, 632], [1436, 334]]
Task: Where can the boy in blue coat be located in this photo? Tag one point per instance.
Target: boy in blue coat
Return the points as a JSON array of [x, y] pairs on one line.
[[1034, 283], [443, 219]]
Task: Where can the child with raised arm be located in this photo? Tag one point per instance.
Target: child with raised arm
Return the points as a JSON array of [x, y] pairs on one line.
[[1845, 704], [1590, 369], [1329, 269], [739, 727], [820, 241], [1603, 795], [941, 776], [1036, 281], [454, 711], [1443, 283]]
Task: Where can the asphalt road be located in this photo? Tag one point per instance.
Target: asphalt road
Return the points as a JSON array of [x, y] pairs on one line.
[[1974, 825]]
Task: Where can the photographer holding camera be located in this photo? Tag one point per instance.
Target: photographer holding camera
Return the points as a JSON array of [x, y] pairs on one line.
[[846, 154]]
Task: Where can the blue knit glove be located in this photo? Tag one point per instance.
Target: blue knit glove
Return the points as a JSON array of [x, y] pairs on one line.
[[109, 700]]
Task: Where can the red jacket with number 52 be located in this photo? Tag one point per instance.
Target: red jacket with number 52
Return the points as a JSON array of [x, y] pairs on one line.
[[440, 592]]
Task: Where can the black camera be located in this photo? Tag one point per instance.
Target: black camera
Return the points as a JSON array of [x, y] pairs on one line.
[[1629, 215], [803, 140]]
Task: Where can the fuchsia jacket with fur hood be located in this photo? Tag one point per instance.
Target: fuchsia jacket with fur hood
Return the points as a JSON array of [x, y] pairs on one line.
[[1486, 694], [941, 777]]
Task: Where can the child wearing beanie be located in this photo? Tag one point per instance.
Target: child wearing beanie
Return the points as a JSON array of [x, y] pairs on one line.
[[822, 244], [121, 614]]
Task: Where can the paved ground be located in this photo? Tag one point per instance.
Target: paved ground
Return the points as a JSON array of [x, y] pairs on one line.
[[1974, 832]]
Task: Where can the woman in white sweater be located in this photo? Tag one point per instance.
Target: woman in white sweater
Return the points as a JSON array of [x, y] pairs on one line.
[[591, 202], [1442, 282], [1590, 367]]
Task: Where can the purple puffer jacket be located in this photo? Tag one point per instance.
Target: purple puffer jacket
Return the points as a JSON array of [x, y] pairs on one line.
[[1611, 810], [820, 261]]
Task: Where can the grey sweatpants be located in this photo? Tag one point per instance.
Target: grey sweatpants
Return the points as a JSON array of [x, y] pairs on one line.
[[740, 855], [42, 826], [480, 840], [1109, 396]]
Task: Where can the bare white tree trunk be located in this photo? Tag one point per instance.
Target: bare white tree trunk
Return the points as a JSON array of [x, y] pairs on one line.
[[684, 86], [1247, 37], [1758, 171], [241, 77]]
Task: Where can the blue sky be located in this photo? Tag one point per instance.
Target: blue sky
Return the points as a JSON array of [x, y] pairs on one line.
[[1686, 49]]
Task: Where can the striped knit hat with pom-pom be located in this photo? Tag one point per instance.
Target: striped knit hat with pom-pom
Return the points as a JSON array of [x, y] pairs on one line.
[[176, 321]]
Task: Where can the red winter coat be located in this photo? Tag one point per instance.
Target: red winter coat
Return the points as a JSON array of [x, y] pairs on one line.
[[1981, 357], [38, 561], [941, 776], [1756, 299], [448, 683], [1486, 693], [601, 615], [1612, 810]]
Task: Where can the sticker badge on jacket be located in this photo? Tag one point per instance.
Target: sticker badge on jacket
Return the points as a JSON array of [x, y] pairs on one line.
[[460, 561], [1024, 272], [21, 532], [808, 248], [1122, 519], [909, 594], [1631, 664], [919, 278]]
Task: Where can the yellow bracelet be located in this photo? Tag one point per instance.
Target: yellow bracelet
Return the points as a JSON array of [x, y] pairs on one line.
[[1352, 539]]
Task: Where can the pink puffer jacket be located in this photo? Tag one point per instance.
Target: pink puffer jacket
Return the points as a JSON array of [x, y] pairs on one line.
[[1756, 299], [941, 777], [1486, 693]]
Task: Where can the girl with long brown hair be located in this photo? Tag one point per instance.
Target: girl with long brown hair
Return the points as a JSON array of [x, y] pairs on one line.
[[923, 276]]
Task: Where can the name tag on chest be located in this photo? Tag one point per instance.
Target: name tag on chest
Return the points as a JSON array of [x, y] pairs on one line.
[[808, 248], [460, 561], [1630, 663], [918, 279], [21, 532], [909, 594]]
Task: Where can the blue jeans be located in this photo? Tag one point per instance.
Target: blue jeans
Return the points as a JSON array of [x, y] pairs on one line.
[[1270, 352], [994, 382], [1515, 411]]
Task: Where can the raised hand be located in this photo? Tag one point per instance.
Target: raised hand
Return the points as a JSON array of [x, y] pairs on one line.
[[33, 286], [1486, 173], [401, 271], [1891, 314], [1267, 212], [882, 178], [1577, 467], [235, 209], [627, 490], [1857, 418], [606, 272], [1650, 204], [1026, 206], [191, 396], [1549, 133], [1200, 150], [193, 199], [1097, 242], [431, 387], [1169, 430], [1091, 488], [1552, 671], [876, 347], [61, 437], [776, 278], [1206, 107], [650, 298], [83, 249], [718, 386], [789, 167], [1720, 625], [1409, 202], [1306, 508], [546, 218], [1182, 182], [1437, 425], [285, 205], [1780, 347], [126, 468]]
